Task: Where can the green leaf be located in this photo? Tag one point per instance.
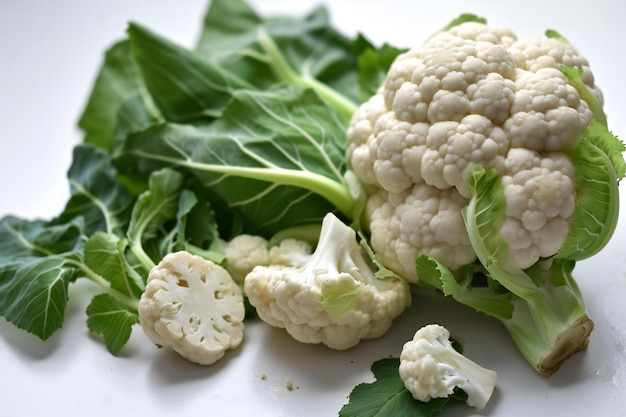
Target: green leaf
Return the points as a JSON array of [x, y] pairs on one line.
[[104, 254], [275, 157], [185, 86], [306, 51], [373, 65], [118, 79], [463, 18], [598, 166], [154, 207], [195, 231], [35, 292], [575, 76], [96, 195], [340, 296], [136, 114], [483, 218], [553, 34], [484, 299], [112, 320], [387, 396]]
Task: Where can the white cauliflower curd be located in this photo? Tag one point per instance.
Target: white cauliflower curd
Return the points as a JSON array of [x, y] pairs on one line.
[[471, 97]]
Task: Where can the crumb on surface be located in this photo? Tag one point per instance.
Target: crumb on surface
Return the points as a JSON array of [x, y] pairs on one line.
[[263, 377], [289, 384]]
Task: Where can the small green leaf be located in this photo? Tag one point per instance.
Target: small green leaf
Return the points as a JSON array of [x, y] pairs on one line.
[[387, 396], [575, 77], [374, 64], [484, 299], [153, 208], [104, 254], [96, 195], [34, 292], [340, 295], [112, 320], [553, 34], [463, 18]]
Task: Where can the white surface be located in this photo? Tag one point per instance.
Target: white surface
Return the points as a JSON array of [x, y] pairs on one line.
[[50, 53]]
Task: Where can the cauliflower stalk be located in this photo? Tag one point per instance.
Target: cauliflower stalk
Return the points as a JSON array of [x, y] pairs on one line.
[[193, 306], [488, 157], [337, 297], [430, 368]]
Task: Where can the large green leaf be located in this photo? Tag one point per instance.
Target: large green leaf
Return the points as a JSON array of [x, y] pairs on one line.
[[598, 167], [185, 86], [310, 45], [24, 238], [275, 157], [118, 79]]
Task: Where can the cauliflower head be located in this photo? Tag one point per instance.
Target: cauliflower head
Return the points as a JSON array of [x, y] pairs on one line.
[[472, 97], [334, 298], [430, 368], [193, 306]]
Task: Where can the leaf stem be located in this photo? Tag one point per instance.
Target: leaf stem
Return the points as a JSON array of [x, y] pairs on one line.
[[125, 299], [283, 71], [335, 192]]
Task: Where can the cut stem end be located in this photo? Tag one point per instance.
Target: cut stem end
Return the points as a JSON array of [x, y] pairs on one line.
[[570, 341]]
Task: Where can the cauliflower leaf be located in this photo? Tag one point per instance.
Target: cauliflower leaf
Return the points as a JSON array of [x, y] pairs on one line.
[[388, 396]]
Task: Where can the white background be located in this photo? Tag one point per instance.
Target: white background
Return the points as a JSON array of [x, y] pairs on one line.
[[49, 54]]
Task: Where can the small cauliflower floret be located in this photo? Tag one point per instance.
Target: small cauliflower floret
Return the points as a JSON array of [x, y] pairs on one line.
[[423, 220], [547, 113], [431, 368], [535, 53], [193, 306], [540, 199], [243, 253], [335, 298], [455, 149], [290, 252]]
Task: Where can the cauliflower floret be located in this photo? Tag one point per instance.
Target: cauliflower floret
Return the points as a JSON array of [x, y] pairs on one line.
[[335, 298], [467, 99], [243, 253], [535, 53], [194, 306], [540, 199], [430, 368], [397, 152], [455, 149], [290, 252], [547, 113], [424, 220]]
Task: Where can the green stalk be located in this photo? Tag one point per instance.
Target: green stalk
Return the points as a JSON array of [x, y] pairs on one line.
[[130, 302], [549, 321]]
